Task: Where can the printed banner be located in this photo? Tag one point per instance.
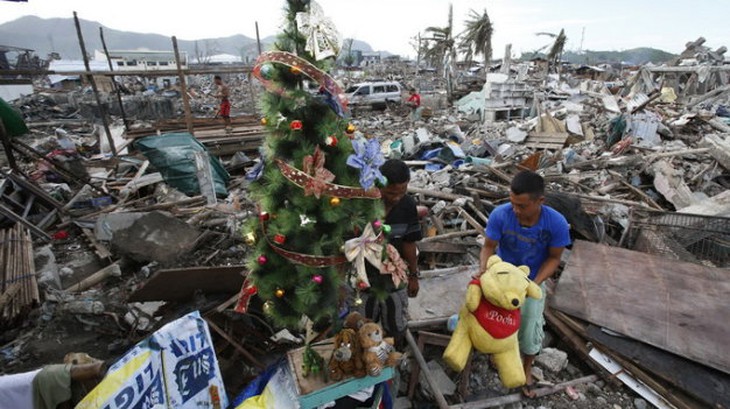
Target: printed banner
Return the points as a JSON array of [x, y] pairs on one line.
[[175, 367]]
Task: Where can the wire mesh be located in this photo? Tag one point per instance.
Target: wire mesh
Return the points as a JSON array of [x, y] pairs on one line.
[[685, 237]]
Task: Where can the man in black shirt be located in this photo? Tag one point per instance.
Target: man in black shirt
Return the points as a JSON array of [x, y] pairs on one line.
[[390, 305]]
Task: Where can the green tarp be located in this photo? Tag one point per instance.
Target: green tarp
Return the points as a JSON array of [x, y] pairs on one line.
[[173, 155], [14, 124]]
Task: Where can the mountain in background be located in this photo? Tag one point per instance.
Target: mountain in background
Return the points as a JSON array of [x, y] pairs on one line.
[[635, 56], [59, 35]]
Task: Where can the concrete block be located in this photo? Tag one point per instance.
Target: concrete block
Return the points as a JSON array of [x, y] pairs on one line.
[[155, 236]]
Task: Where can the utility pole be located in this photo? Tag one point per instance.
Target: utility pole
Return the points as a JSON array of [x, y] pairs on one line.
[[183, 88], [258, 39], [102, 110], [114, 83]]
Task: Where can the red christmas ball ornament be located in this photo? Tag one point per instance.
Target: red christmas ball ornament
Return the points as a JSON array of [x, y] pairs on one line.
[[296, 125], [362, 285], [331, 141], [377, 224], [262, 260], [264, 216], [317, 278], [279, 239], [252, 290]]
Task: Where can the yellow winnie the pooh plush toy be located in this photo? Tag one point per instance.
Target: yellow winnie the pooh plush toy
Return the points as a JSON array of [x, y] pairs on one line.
[[490, 318]]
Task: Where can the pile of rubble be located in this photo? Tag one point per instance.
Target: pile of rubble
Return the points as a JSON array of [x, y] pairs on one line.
[[638, 164]]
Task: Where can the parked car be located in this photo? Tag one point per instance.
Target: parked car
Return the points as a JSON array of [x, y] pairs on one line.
[[377, 95]]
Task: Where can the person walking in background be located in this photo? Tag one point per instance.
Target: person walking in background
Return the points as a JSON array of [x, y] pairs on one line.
[[225, 104], [414, 102]]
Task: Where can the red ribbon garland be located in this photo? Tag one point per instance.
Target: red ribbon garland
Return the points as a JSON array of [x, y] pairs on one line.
[[302, 179], [290, 60], [304, 259]]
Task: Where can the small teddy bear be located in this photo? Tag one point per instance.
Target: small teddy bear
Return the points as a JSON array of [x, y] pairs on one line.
[[377, 350], [347, 356]]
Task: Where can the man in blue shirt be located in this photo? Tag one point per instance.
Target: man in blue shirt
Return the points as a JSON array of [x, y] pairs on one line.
[[527, 232]]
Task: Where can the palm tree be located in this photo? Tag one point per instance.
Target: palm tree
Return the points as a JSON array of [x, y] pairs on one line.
[[441, 50], [477, 37], [556, 50]]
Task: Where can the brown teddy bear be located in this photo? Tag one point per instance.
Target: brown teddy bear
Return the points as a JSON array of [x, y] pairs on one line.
[[347, 356], [377, 350], [355, 320]]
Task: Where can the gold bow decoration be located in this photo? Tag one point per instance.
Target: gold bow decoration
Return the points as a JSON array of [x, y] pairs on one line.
[[314, 166], [394, 265], [366, 247]]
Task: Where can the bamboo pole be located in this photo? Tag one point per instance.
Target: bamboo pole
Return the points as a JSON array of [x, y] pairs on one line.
[[31, 270], [102, 110], [183, 88]]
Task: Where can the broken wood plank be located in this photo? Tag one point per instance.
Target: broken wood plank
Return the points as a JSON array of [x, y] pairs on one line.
[[470, 220], [652, 391], [448, 236], [437, 194], [101, 250], [663, 302], [541, 140], [235, 344], [703, 383], [440, 401], [441, 247], [575, 339], [720, 149], [517, 397], [17, 218], [96, 278], [223, 279]]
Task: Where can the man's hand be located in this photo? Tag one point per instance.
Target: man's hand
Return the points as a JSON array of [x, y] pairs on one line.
[[413, 287]]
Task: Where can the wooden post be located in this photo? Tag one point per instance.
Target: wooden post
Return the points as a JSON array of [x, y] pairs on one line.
[[102, 110], [183, 88], [439, 397], [114, 83], [7, 145], [258, 39]]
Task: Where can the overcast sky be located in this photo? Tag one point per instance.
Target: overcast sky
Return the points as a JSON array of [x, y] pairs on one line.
[[389, 24]]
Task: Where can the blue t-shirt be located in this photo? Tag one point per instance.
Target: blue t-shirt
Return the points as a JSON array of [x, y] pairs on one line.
[[528, 246]]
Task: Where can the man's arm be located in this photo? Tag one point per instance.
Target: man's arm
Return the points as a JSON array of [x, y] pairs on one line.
[[488, 250], [410, 256], [548, 267]]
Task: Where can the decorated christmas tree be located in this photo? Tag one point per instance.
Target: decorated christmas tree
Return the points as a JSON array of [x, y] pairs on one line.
[[316, 189]]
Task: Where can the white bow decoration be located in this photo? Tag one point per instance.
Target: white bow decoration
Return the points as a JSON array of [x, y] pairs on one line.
[[365, 247], [323, 39]]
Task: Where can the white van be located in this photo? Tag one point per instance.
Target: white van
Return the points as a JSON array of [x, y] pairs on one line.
[[377, 95]]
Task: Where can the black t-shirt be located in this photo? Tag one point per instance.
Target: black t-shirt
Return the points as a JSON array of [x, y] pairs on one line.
[[404, 227], [403, 221]]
